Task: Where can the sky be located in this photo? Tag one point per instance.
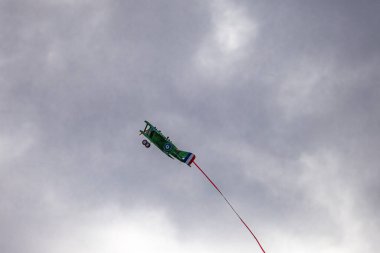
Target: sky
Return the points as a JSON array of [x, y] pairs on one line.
[[279, 101]]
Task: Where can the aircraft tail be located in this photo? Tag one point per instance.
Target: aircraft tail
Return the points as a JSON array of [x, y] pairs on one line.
[[186, 157]]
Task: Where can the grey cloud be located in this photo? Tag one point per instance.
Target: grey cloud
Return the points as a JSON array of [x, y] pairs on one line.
[[292, 117]]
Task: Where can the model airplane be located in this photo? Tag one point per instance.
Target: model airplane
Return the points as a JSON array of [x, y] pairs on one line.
[[164, 144]]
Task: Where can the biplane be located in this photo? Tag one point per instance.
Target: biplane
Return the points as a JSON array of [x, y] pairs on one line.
[[165, 144]]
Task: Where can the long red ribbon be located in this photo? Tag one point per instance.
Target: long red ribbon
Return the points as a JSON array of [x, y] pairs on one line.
[[233, 209]]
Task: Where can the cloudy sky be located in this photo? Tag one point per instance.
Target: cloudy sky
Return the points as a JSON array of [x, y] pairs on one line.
[[279, 100]]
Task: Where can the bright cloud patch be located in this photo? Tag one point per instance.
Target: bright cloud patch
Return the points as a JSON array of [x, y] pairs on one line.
[[113, 230], [233, 28], [116, 230], [232, 31]]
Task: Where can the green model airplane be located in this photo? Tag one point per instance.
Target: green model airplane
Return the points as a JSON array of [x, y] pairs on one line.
[[163, 143], [166, 146]]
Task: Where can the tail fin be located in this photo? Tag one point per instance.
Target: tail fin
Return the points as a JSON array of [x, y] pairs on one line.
[[186, 157]]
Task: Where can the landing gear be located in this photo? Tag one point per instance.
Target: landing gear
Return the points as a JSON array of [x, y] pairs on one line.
[[146, 143]]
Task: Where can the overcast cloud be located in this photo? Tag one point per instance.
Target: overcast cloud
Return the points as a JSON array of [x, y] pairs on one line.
[[279, 100]]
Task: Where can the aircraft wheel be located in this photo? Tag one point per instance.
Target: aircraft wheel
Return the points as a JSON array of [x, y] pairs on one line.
[[147, 145], [144, 142]]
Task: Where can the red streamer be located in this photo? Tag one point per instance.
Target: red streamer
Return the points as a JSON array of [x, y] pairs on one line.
[[233, 209]]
